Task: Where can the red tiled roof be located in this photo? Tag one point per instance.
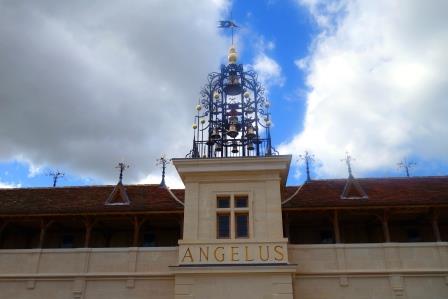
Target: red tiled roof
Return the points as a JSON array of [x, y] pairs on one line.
[[380, 192], [152, 198], [88, 199]]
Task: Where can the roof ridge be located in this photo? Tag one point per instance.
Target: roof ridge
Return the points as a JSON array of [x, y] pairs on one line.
[[375, 178], [78, 187]]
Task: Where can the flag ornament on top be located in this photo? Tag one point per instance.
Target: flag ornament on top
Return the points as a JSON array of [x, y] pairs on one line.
[[227, 24]]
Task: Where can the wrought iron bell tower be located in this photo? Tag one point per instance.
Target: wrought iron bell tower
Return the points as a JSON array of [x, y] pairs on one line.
[[233, 118]]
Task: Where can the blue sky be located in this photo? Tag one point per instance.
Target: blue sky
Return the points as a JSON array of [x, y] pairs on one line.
[[83, 87]]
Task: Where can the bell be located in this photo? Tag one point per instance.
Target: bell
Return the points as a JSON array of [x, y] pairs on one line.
[[250, 132], [233, 86], [210, 142], [215, 134], [218, 147], [233, 120], [233, 132], [250, 146], [234, 148]]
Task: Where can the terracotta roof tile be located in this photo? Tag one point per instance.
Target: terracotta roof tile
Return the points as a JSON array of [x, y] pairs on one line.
[[88, 199], [152, 198], [380, 192]]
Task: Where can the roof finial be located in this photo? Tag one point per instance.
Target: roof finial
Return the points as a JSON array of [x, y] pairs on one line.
[[233, 56], [406, 165], [348, 159], [122, 167], [228, 24], [308, 158], [56, 175], [162, 161]]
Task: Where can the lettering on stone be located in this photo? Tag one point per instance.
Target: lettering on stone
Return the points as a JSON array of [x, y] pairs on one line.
[[187, 255], [219, 256], [203, 254], [233, 254]]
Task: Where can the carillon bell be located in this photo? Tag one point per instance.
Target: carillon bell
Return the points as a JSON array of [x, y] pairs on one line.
[[215, 134], [249, 110], [218, 147], [234, 148], [232, 132], [251, 146], [233, 86], [250, 132], [233, 120]]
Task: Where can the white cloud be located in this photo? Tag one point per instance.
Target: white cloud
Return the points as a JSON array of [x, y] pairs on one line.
[[7, 185], [172, 180], [34, 170], [84, 85], [269, 71], [378, 79]]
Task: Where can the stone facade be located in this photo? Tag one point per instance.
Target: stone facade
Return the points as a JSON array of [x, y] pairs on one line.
[[263, 264], [383, 271]]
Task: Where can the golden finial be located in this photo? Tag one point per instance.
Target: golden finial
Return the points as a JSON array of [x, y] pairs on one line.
[[233, 56]]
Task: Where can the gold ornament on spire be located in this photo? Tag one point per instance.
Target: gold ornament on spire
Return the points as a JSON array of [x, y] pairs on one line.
[[233, 56]]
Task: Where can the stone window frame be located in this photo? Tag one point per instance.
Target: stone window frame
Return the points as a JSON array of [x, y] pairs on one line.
[[233, 211]]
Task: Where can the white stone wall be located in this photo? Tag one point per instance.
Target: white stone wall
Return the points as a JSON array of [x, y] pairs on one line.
[[373, 271], [111, 273], [358, 271]]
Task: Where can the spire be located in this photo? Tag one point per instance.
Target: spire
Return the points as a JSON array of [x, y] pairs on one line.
[[352, 188], [348, 159], [308, 158], [162, 161], [122, 167], [119, 195], [406, 165], [55, 175]]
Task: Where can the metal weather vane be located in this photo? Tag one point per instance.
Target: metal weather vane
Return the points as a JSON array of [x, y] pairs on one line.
[[163, 161], [308, 158], [228, 24], [406, 165], [55, 175]]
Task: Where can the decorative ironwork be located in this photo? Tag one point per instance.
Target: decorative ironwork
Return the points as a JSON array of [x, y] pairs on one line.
[[56, 175], [308, 158], [163, 161], [348, 160], [406, 165], [122, 167], [233, 118]]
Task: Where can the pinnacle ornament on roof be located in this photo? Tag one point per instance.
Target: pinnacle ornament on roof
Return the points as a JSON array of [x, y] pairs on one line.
[[352, 188], [308, 159], [163, 161], [122, 166]]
